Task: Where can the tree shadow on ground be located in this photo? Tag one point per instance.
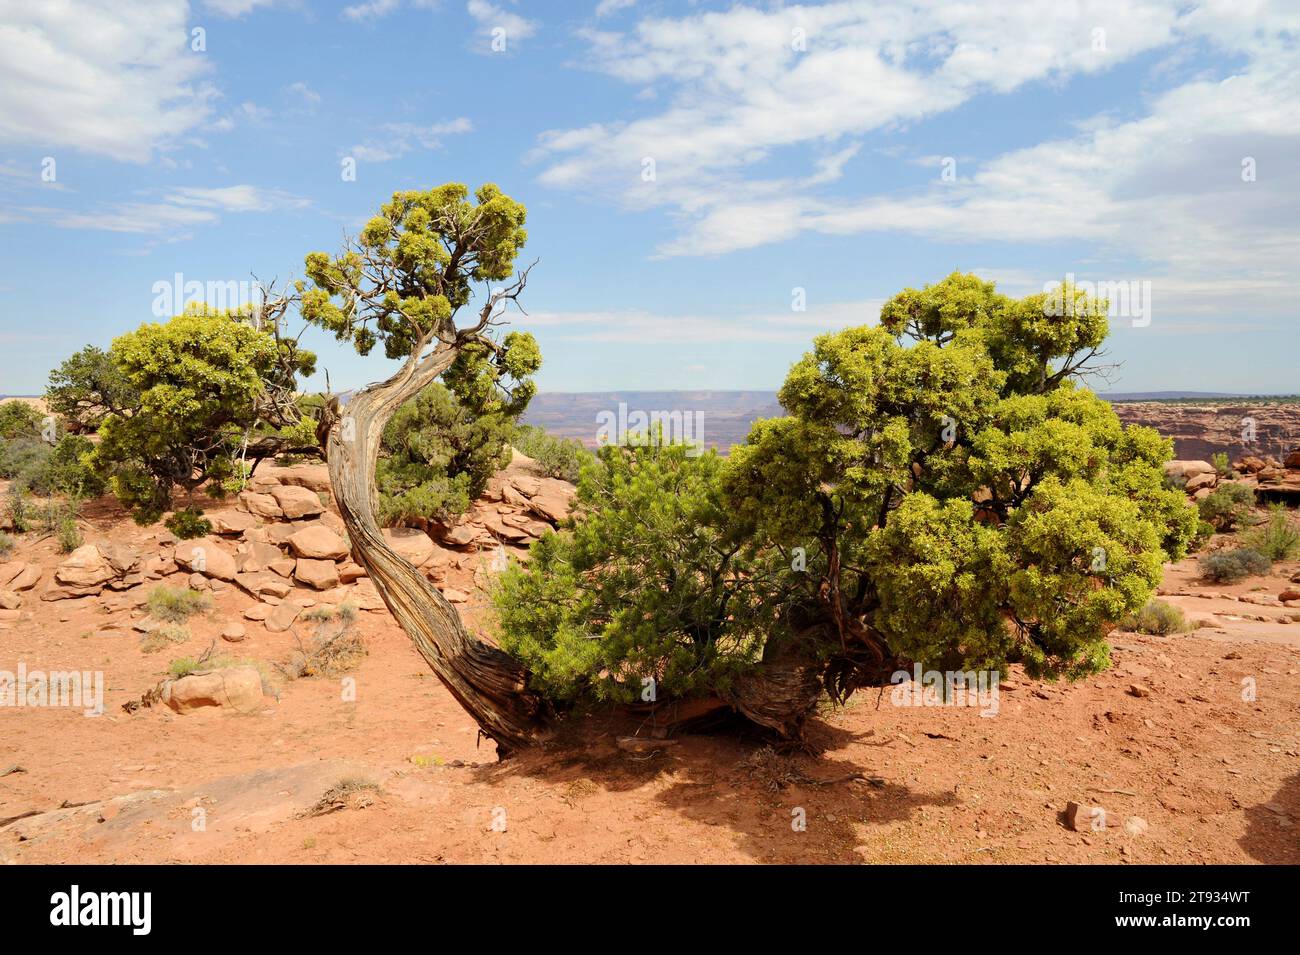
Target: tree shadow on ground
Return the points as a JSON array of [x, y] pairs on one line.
[[1272, 835], [782, 804]]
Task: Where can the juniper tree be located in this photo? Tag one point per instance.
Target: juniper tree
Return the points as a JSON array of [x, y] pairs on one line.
[[941, 491]]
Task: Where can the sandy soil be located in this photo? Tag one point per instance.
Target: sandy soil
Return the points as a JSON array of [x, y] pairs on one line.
[[1215, 777]]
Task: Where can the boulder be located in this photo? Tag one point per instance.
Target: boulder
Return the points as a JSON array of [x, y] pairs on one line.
[[410, 542], [252, 557], [1292, 460], [320, 574], [85, 568], [296, 502], [1188, 469], [552, 506], [261, 505], [257, 612], [11, 570], [27, 577], [1198, 481], [238, 688], [462, 535], [10, 600], [284, 567], [234, 632], [315, 477], [206, 556], [232, 523], [1250, 464], [282, 617], [264, 583], [366, 597], [348, 572], [318, 543]]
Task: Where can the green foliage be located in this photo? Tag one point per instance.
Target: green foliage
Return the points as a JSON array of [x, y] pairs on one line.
[[87, 387], [19, 507], [642, 588], [188, 523], [1222, 466], [941, 491], [430, 246], [1230, 566], [1227, 506], [200, 379], [18, 419], [1157, 617], [1277, 538], [69, 535], [6, 544], [437, 454], [176, 604], [557, 457]]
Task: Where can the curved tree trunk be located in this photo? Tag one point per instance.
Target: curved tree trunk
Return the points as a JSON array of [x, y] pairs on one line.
[[489, 683]]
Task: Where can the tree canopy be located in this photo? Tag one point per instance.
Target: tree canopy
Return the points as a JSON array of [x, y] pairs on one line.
[[941, 491]]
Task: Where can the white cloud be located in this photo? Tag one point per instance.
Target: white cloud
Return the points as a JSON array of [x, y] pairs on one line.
[[636, 326], [490, 18], [609, 7], [100, 76], [236, 8], [301, 91], [1161, 192], [182, 208], [401, 138], [372, 10]]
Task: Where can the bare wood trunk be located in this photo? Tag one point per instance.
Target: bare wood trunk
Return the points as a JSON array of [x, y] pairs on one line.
[[491, 685]]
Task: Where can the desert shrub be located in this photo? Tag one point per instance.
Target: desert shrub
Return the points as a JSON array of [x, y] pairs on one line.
[[188, 523], [351, 791], [6, 544], [20, 508], [18, 419], [1277, 538], [438, 452], [47, 469], [69, 535], [1157, 617], [1230, 566], [187, 665], [335, 648], [164, 636], [1204, 531], [558, 457], [1222, 466], [1227, 506], [176, 604]]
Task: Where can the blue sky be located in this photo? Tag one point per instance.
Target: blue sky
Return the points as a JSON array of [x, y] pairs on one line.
[[794, 147]]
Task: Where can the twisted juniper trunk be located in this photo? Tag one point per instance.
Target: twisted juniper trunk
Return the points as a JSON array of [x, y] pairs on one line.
[[491, 685]]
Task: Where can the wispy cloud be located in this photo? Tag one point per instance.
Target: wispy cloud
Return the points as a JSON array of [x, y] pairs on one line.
[[402, 138]]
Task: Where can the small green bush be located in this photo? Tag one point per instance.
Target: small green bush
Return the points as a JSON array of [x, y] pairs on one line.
[[1230, 566], [19, 509], [188, 523], [176, 604], [18, 419], [1221, 464], [69, 535], [558, 457], [1157, 617], [1227, 506], [1277, 538], [6, 544]]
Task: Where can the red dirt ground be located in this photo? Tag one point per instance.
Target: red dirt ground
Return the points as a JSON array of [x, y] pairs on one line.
[[1215, 777]]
